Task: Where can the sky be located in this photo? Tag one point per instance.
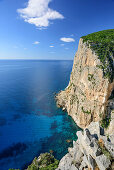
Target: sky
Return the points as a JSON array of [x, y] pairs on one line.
[[50, 29]]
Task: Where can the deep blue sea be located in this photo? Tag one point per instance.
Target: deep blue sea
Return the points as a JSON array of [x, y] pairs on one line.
[[30, 122]]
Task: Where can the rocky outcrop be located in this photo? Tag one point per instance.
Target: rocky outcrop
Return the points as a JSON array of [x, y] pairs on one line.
[[92, 151], [86, 96]]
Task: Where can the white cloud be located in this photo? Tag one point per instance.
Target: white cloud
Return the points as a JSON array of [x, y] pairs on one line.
[[51, 46], [66, 48], [36, 42], [67, 39], [38, 13], [62, 45]]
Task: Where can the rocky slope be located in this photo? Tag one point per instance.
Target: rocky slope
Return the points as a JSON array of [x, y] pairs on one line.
[[92, 151], [86, 98]]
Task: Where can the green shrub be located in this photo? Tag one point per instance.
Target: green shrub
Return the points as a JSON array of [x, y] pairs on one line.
[[104, 150], [90, 77], [86, 111], [13, 169], [45, 162], [105, 122]]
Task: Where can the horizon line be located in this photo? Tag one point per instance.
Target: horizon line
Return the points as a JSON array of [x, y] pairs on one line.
[[41, 59]]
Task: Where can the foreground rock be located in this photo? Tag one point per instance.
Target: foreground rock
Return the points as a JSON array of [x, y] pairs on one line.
[[92, 151]]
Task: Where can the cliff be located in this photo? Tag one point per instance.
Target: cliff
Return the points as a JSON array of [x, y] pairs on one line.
[[89, 94], [89, 100]]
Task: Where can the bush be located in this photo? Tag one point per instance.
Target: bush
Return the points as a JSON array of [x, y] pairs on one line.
[[45, 161], [86, 111], [105, 122]]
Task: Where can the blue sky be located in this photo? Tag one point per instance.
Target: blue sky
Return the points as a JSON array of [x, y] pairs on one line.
[[50, 29]]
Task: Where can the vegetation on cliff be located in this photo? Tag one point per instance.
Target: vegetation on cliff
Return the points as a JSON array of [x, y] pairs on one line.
[[102, 43], [45, 161]]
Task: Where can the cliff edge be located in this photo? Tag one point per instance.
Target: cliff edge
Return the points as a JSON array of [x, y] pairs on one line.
[[89, 94]]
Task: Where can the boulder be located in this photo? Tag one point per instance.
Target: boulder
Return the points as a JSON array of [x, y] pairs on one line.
[[65, 163], [95, 129], [103, 162], [110, 147], [89, 161], [73, 167]]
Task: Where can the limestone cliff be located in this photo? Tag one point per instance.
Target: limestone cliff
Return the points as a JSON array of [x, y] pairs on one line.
[[86, 96]]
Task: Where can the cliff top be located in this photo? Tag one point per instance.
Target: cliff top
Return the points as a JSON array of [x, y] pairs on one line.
[[102, 43]]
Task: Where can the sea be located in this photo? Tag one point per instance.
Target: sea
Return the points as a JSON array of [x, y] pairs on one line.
[[30, 121]]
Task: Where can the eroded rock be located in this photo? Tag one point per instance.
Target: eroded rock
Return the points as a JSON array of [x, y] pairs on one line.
[[89, 151]]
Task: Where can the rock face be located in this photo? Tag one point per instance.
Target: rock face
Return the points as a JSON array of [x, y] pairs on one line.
[[92, 151], [86, 96]]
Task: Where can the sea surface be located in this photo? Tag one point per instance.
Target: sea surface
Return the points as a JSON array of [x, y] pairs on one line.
[[30, 122]]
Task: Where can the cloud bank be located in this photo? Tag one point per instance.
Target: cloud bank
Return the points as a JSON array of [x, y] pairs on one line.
[[38, 13], [67, 39]]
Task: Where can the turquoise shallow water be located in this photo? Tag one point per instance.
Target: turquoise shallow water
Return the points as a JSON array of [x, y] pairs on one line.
[[30, 122]]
